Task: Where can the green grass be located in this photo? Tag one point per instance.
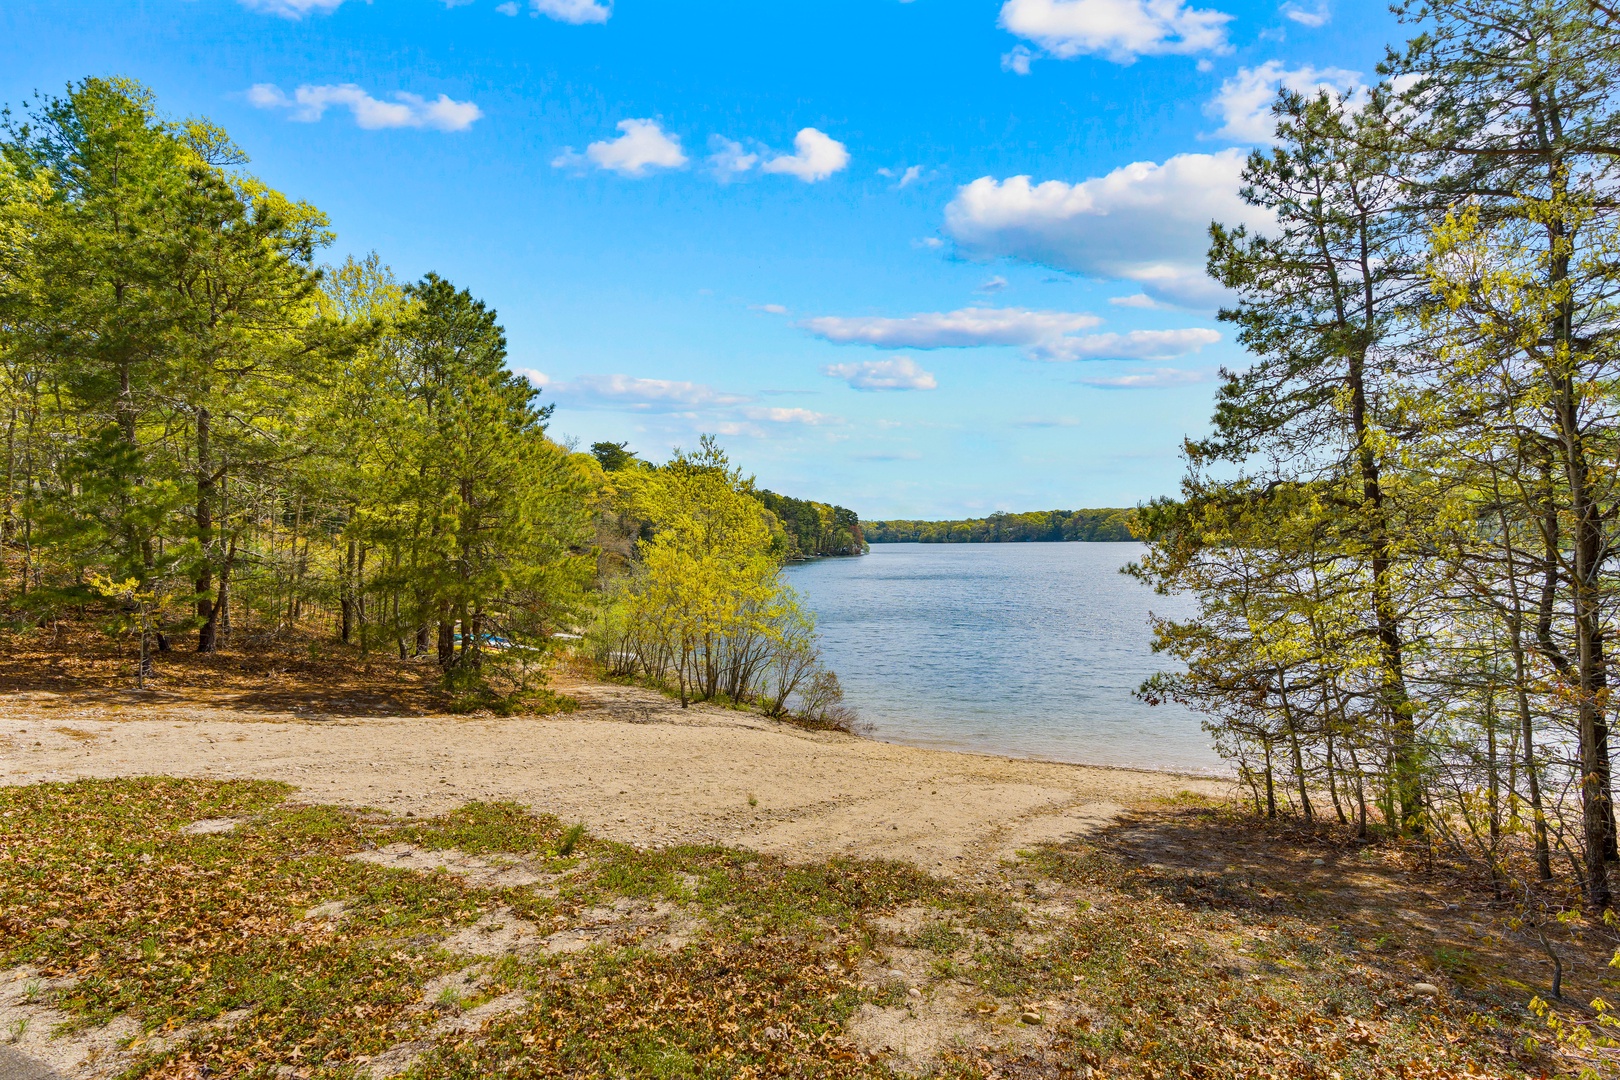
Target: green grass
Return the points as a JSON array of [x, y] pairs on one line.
[[98, 884]]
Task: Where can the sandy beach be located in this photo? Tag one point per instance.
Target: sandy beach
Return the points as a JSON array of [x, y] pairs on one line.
[[631, 765]]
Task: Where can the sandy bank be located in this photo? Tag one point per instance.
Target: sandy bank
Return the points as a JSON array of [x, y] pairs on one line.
[[631, 765]]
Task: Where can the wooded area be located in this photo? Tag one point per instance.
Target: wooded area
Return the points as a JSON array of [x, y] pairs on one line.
[[1034, 526], [1401, 528], [207, 434]]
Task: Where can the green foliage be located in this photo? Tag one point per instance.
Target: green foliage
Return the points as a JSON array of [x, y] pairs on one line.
[[815, 529], [1034, 526], [193, 405], [614, 456], [701, 606], [1401, 528]]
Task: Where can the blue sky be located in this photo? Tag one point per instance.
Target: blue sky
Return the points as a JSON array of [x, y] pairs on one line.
[[924, 259]]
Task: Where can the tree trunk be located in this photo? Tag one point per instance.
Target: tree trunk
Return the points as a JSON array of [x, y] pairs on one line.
[[360, 599], [1271, 787], [1397, 705], [1293, 746], [346, 595], [1598, 831], [208, 632], [447, 639]]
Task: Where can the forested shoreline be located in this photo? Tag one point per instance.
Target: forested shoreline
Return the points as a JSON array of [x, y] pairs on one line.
[[1036, 526], [210, 435], [1401, 529]]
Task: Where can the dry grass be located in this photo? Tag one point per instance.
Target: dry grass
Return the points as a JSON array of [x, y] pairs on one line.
[[70, 664], [273, 947]]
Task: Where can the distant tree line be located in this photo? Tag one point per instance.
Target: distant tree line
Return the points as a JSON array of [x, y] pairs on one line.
[[815, 528], [1036, 526], [799, 528]]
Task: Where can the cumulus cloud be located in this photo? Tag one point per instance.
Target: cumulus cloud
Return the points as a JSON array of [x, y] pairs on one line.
[[642, 145], [577, 12], [965, 328], [1137, 300], [903, 178], [1145, 223], [309, 103], [901, 373], [728, 160], [815, 156], [1120, 30], [1311, 15], [1017, 60], [1244, 101], [292, 9], [1145, 380]]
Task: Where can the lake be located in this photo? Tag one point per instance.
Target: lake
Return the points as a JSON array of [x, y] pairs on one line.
[[1025, 650]]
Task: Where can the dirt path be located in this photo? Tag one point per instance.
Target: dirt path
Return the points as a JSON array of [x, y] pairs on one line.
[[632, 766]]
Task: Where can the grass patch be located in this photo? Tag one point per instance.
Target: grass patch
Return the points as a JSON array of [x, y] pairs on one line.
[[537, 702], [123, 914]]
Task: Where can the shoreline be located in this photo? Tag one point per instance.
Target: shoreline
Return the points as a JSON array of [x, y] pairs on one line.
[[630, 765], [1001, 755]]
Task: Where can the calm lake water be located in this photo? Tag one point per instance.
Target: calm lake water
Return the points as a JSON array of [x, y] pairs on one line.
[[1027, 650]]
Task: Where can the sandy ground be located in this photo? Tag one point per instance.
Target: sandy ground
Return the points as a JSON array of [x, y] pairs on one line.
[[631, 765]]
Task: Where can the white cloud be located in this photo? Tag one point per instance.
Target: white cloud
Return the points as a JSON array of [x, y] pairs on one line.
[[1047, 422], [729, 160], [628, 393], [1313, 16], [816, 156], [1145, 380], [994, 285], [772, 309], [1133, 345], [1146, 223], [1017, 60], [1244, 101], [309, 104], [577, 12], [1120, 30], [508, 8], [903, 178], [932, 243], [1044, 335], [681, 403], [291, 9], [642, 145], [1138, 300], [966, 328], [901, 373], [779, 415]]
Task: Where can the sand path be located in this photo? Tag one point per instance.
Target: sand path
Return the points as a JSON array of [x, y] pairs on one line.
[[632, 766]]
